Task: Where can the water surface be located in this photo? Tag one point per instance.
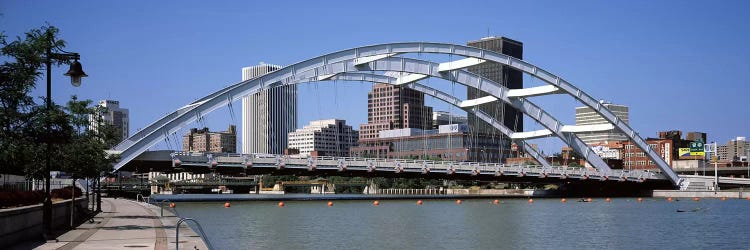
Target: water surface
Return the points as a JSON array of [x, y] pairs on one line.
[[475, 224]]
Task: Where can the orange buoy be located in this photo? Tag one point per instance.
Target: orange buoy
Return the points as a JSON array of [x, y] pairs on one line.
[[640, 199], [696, 199], [748, 198], [419, 202], [281, 203], [563, 200], [589, 200], [459, 202], [531, 201], [172, 205], [723, 198], [330, 203], [496, 202], [226, 205], [376, 203], [608, 199], [669, 199]]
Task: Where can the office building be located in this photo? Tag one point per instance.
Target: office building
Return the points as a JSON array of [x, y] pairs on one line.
[[737, 149], [267, 116], [202, 140], [587, 116], [445, 118], [508, 77], [330, 137], [111, 113], [449, 142], [393, 107]]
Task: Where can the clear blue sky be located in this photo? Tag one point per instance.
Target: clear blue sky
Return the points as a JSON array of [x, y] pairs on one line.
[[678, 64]]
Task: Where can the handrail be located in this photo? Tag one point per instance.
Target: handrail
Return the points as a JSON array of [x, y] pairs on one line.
[[146, 199], [161, 205], [200, 229]]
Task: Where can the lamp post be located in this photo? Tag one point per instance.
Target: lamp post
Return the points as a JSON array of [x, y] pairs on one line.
[[76, 73]]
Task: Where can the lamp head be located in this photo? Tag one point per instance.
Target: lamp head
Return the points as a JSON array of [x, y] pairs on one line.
[[76, 73]]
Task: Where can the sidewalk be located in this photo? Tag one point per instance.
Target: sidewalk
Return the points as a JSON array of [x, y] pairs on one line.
[[124, 224]]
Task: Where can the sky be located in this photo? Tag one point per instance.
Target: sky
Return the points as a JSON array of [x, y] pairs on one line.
[[678, 65]]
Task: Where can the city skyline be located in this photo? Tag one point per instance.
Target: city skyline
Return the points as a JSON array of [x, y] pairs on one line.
[[609, 54]]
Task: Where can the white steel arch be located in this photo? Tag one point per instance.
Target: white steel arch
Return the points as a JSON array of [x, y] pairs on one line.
[[378, 56]]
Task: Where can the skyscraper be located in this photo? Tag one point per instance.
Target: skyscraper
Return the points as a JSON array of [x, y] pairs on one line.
[[112, 114], [267, 116], [587, 116], [496, 72]]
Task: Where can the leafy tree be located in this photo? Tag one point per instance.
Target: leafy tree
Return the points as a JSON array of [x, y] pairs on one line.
[[24, 132]]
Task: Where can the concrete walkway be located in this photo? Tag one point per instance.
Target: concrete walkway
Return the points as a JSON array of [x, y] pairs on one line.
[[125, 224]]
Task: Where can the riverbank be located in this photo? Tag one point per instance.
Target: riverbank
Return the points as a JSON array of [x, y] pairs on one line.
[[124, 224], [702, 194]]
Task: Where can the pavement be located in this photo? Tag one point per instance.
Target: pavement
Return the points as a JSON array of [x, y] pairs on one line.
[[124, 224]]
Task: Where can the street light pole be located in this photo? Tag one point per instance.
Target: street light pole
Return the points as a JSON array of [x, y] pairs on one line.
[[716, 169], [47, 211], [75, 72]]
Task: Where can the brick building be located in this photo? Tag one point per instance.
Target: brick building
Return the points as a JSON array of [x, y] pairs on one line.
[[202, 140]]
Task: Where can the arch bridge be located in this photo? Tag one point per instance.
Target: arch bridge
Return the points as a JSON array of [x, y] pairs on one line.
[[389, 63]]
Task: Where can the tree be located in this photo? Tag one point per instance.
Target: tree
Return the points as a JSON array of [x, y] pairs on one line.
[[23, 123]]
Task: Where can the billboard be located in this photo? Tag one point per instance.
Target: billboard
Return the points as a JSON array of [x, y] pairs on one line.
[[682, 152]]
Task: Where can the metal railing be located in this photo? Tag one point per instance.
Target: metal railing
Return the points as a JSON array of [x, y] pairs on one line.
[[200, 229]]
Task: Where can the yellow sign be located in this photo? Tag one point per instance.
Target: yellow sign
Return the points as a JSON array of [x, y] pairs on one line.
[[686, 152]]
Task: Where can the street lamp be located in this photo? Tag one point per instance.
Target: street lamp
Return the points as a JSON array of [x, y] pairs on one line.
[[76, 73]]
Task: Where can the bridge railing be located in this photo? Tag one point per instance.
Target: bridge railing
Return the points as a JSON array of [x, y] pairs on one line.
[[413, 164]]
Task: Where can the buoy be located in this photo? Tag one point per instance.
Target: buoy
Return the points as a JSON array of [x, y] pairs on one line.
[[330, 203], [226, 205], [640, 199], [608, 199], [723, 198], [496, 202], [696, 199], [589, 200], [748, 198], [281, 203], [459, 202], [669, 199], [563, 200], [172, 205], [376, 203], [419, 202], [531, 201]]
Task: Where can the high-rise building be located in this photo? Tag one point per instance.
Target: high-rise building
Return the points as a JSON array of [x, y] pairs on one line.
[[445, 118], [393, 107], [330, 137], [202, 140], [587, 116], [496, 72], [267, 116], [735, 150], [112, 114]]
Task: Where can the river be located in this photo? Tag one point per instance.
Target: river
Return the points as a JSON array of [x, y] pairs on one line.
[[623, 223]]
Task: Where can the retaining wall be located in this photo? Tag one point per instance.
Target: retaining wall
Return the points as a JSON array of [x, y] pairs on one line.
[[25, 223]]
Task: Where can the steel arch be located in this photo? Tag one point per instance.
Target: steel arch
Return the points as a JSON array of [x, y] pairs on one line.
[[151, 134], [412, 66]]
